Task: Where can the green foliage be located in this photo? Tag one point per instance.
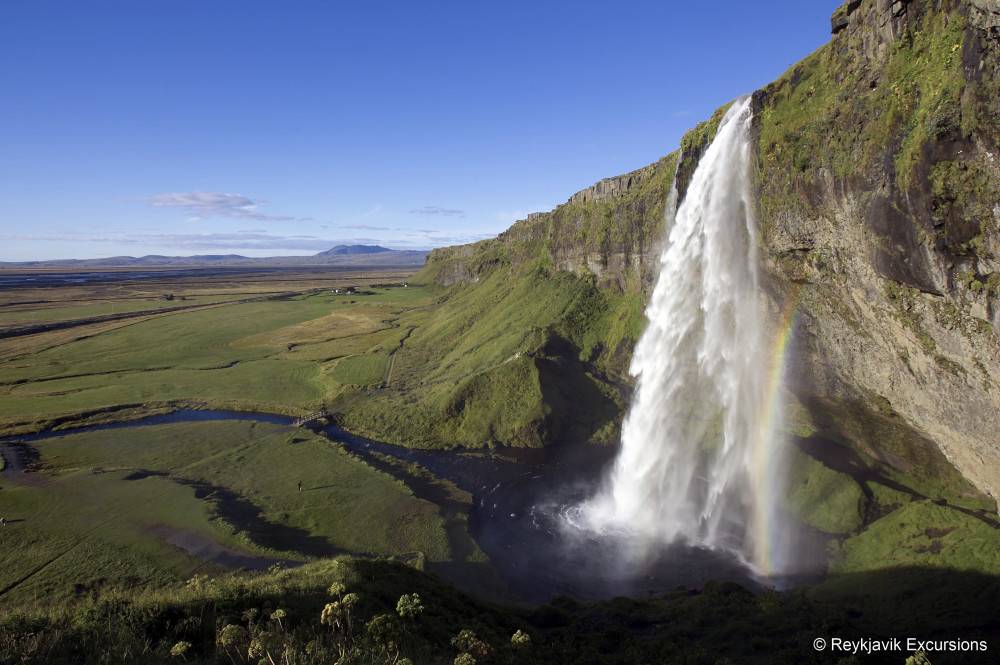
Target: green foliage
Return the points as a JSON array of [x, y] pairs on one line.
[[276, 616], [824, 499], [942, 561], [180, 649], [904, 298], [409, 606], [923, 533], [360, 370], [962, 187]]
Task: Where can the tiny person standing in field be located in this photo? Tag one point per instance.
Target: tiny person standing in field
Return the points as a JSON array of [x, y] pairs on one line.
[[300, 485]]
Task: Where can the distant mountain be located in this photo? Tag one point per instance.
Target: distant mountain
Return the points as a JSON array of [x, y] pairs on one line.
[[341, 250], [343, 255]]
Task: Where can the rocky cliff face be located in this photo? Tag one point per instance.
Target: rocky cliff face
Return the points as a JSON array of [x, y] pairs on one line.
[[885, 237]]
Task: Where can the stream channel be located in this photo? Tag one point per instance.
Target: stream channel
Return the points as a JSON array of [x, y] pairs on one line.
[[520, 502]]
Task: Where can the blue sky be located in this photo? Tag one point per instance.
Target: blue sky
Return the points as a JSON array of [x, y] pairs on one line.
[[260, 128]]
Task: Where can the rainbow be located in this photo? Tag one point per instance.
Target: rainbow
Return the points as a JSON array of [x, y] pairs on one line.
[[766, 460]]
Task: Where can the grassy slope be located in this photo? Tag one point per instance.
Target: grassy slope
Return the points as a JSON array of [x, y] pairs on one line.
[[830, 112], [518, 351], [520, 358]]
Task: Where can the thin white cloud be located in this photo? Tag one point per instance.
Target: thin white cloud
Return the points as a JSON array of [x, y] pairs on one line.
[[680, 114], [437, 210], [423, 238], [211, 204], [365, 227]]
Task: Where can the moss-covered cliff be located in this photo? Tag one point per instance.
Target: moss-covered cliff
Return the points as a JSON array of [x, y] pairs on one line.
[[879, 189]]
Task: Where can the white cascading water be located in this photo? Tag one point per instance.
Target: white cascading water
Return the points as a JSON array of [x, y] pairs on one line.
[[689, 469]]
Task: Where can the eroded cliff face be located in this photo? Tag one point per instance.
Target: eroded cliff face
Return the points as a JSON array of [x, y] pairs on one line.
[[880, 205], [612, 230]]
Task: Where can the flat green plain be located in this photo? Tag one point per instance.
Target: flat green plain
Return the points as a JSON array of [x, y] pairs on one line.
[[98, 507], [232, 355]]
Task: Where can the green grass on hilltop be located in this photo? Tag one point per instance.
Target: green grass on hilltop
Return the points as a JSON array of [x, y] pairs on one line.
[[923, 533], [880, 122]]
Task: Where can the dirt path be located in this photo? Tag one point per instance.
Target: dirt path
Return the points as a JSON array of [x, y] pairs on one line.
[[343, 405], [209, 550]]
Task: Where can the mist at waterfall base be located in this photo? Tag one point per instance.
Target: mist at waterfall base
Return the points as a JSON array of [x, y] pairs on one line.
[[695, 491]]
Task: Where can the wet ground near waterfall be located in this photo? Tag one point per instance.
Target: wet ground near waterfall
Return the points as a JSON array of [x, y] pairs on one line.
[[520, 502]]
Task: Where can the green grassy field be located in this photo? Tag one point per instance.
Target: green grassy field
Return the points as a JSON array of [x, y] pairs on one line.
[[82, 311], [235, 483], [292, 355]]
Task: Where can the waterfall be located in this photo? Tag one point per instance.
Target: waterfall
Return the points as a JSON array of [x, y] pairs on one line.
[[697, 463]]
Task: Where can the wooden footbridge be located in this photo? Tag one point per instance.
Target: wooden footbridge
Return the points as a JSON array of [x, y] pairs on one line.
[[304, 420]]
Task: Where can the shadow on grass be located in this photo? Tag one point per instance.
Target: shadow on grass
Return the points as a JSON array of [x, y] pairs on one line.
[[246, 517], [579, 408], [920, 602], [480, 576], [18, 458], [845, 460]]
